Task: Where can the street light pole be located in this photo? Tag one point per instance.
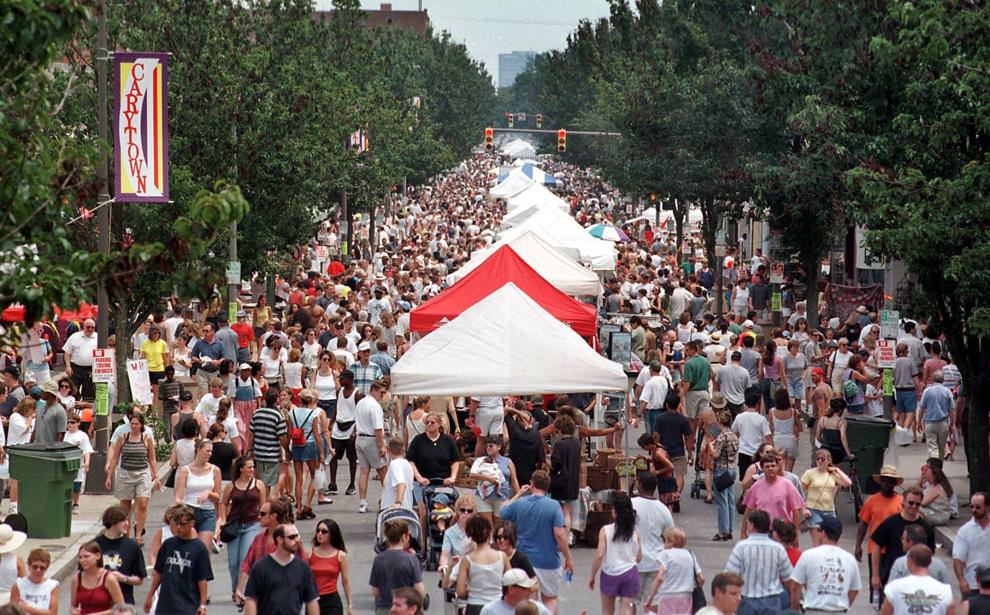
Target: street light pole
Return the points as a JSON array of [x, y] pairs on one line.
[[96, 475]]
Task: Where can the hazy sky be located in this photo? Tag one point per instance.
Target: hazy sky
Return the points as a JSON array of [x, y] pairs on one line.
[[491, 27]]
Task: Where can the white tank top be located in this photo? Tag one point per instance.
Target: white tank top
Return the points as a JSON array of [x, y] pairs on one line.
[[620, 557], [196, 485], [346, 413], [293, 375], [485, 582], [325, 387]]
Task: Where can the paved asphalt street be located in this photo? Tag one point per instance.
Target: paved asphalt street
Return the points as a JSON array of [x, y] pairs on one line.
[[696, 518]]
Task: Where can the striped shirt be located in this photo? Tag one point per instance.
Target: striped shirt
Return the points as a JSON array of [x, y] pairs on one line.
[[762, 563], [268, 425]]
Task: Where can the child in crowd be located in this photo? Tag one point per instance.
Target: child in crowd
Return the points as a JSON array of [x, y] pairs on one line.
[[74, 435]]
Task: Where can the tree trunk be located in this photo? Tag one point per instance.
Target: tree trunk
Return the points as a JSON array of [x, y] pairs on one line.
[[709, 231], [974, 353], [122, 334], [679, 226], [811, 296]]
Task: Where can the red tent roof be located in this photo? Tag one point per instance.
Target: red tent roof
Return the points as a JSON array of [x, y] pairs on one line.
[[504, 266]]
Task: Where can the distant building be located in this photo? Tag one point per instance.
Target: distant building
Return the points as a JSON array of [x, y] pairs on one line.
[[511, 64], [385, 16]]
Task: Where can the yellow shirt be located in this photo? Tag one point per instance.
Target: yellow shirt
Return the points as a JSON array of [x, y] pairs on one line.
[[819, 489], [154, 352]]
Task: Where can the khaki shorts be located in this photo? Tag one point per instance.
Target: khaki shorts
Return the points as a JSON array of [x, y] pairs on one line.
[[132, 484], [489, 421], [368, 455], [550, 581], [645, 585], [695, 402], [680, 466], [490, 505], [267, 472]]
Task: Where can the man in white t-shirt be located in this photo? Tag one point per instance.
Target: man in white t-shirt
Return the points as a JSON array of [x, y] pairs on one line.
[[752, 429], [653, 518], [654, 394], [397, 488], [828, 574], [919, 592], [369, 420]]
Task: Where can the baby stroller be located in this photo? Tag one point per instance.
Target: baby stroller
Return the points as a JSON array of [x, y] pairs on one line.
[[434, 534], [415, 531], [698, 489]]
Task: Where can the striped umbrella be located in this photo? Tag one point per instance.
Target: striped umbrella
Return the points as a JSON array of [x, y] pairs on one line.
[[607, 232]]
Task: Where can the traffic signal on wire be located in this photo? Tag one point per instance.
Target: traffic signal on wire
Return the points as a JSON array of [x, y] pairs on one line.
[[539, 120], [489, 138], [561, 140], [510, 118]]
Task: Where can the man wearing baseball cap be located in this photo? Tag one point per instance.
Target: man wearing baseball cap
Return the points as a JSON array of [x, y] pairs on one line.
[[516, 589], [365, 372]]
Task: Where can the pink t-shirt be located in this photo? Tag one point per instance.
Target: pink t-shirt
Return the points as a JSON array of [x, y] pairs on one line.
[[779, 499]]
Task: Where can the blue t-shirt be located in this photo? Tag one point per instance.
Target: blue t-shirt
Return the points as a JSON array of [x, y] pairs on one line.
[[535, 537], [937, 402]]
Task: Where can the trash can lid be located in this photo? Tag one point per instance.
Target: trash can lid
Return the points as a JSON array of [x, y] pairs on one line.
[[872, 421], [43, 447]]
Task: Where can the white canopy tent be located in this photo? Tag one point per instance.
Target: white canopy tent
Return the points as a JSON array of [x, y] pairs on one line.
[[563, 232], [521, 161], [517, 148], [666, 218], [555, 266], [506, 344], [511, 186], [536, 195]]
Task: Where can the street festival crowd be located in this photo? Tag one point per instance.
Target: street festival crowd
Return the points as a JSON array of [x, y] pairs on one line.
[[263, 405]]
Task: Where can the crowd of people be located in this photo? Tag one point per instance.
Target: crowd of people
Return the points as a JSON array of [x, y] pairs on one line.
[[261, 405]]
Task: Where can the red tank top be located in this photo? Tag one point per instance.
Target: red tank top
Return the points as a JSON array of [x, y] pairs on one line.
[[93, 600]]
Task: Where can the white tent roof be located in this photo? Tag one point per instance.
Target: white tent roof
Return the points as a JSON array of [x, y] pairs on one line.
[[517, 148], [555, 266], [650, 215], [511, 186], [562, 231], [505, 344], [520, 162], [536, 195]]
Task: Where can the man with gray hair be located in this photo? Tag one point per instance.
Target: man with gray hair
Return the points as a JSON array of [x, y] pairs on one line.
[[935, 410]]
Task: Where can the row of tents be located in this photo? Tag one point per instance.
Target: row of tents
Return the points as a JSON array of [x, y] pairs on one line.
[[510, 322]]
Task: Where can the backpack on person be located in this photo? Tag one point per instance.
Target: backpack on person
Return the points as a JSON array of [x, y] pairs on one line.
[[297, 436]]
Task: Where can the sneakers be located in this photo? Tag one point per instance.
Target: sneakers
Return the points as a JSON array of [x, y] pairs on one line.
[[75, 509], [351, 490], [332, 490], [363, 506]]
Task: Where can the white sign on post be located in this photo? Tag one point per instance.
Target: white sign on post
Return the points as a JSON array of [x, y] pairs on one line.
[[886, 353], [889, 323], [233, 272], [137, 376], [104, 365]]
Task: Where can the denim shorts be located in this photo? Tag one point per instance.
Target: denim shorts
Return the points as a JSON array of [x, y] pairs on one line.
[[305, 453], [906, 402], [817, 516], [206, 519]]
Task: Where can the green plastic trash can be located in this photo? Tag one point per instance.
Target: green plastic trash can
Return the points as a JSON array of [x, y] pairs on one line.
[[45, 473], [868, 438]]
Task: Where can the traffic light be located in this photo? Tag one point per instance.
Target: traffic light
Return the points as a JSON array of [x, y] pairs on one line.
[[561, 140], [489, 138], [510, 118], [539, 120]]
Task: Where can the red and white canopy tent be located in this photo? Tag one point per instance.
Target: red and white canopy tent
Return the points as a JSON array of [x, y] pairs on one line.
[[502, 267]]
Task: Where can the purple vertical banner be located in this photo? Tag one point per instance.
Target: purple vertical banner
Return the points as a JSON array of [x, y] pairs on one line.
[[140, 111]]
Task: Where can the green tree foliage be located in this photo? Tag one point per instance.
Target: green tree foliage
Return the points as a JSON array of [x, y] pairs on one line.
[[44, 168], [924, 181]]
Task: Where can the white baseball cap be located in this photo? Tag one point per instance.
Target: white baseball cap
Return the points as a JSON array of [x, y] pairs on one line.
[[517, 576], [364, 346]]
